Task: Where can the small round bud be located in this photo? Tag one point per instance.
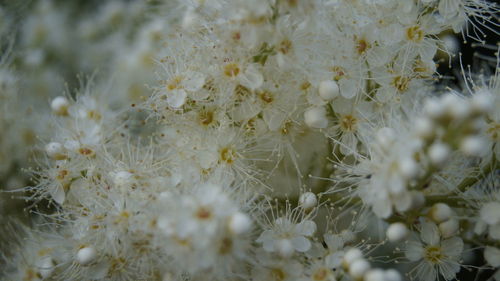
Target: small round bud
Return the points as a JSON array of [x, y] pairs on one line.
[[424, 128], [86, 255], [351, 255], [392, 275], [240, 223], [492, 256], [396, 232], [438, 153], [358, 268], [376, 274], [440, 212], [328, 90], [450, 42], [308, 200], [316, 118], [55, 150], [473, 146], [449, 228], [60, 105], [409, 168], [285, 247], [490, 213]]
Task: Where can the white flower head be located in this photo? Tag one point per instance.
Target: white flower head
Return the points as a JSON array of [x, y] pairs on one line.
[[435, 256]]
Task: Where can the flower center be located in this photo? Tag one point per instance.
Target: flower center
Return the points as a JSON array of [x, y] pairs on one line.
[[285, 46], [320, 274], [433, 254], [348, 123], [414, 34], [401, 83], [361, 46], [278, 274], [206, 117], [231, 69], [227, 155], [266, 96]]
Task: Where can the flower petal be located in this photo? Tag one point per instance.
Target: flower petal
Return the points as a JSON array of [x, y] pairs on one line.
[[429, 233], [306, 228], [453, 247], [301, 244], [414, 251]]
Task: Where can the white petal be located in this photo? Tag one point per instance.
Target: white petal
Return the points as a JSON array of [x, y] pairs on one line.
[[348, 88], [334, 242], [274, 119], [427, 272], [453, 247], [382, 208], [252, 78], [301, 244], [193, 81], [58, 194], [306, 228], [245, 110], [176, 98], [449, 269], [414, 251], [429, 233]]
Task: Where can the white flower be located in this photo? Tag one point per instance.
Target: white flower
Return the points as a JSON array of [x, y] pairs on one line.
[[286, 237], [179, 86], [434, 256]]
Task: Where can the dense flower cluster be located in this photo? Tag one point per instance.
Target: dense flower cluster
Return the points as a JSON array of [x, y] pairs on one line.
[[280, 140]]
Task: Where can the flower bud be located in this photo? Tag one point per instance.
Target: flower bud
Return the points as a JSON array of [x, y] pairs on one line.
[[86, 255], [240, 223], [358, 268], [490, 213], [328, 90], [308, 200], [376, 274], [396, 232], [392, 275], [60, 106], [440, 212], [449, 228], [55, 150], [473, 146], [424, 128], [409, 168], [492, 256], [316, 118], [351, 255], [438, 153]]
